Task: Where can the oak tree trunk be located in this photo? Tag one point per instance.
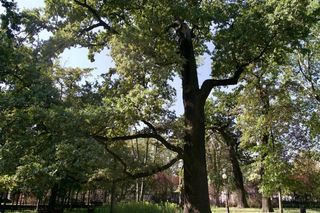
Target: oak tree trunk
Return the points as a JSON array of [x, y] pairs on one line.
[[195, 172], [196, 199]]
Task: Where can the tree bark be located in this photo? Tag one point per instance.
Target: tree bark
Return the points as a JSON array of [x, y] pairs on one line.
[[137, 195], [196, 199], [266, 201], [88, 198], [145, 160], [37, 206], [216, 164], [195, 171], [266, 204], [142, 189], [53, 198], [231, 142], [238, 178], [113, 197], [280, 201]]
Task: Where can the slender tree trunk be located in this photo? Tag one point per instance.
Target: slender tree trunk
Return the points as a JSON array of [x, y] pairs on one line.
[[53, 198], [137, 190], [266, 204], [105, 196], [214, 162], [145, 160], [266, 201], [217, 183], [142, 187], [21, 200], [76, 200], [181, 193], [88, 198], [280, 201], [83, 198], [69, 198], [62, 202], [113, 197], [5, 200], [1, 208], [37, 206], [195, 171], [15, 201]]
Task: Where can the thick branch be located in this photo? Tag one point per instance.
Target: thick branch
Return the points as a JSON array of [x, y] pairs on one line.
[[147, 173], [91, 27], [140, 135], [208, 84], [156, 169], [154, 130], [96, 15]]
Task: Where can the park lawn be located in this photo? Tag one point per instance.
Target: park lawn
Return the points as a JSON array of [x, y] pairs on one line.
[[167, 208], [256, 210], [133, 207]]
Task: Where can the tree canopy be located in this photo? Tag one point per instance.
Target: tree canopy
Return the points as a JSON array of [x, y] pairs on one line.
[[58, 130]]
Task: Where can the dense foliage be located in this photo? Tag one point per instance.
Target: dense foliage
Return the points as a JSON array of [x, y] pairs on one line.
[[61, 135]]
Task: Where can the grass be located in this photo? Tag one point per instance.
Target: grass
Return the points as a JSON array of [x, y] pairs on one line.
[[25, 211], [146, 207], [256, 210], [133, 207], [172, 208]]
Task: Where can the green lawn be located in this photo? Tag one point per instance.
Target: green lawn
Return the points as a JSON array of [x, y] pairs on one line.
[[252, 210], [134, 207], [168, 208]]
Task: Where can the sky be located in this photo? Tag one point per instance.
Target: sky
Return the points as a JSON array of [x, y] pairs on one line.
[[77, 57], [74, 57]]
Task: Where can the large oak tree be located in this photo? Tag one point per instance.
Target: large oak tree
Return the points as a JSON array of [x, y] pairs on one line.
[[153, 41]]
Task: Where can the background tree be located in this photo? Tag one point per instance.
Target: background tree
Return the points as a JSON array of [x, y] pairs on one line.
[[305, 171], [221, 115]]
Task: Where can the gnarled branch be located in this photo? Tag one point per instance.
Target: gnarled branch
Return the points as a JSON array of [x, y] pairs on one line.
[[153, 129], [91, 27], [97, 16], [156, 136], [146, 173], [208, 84]]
